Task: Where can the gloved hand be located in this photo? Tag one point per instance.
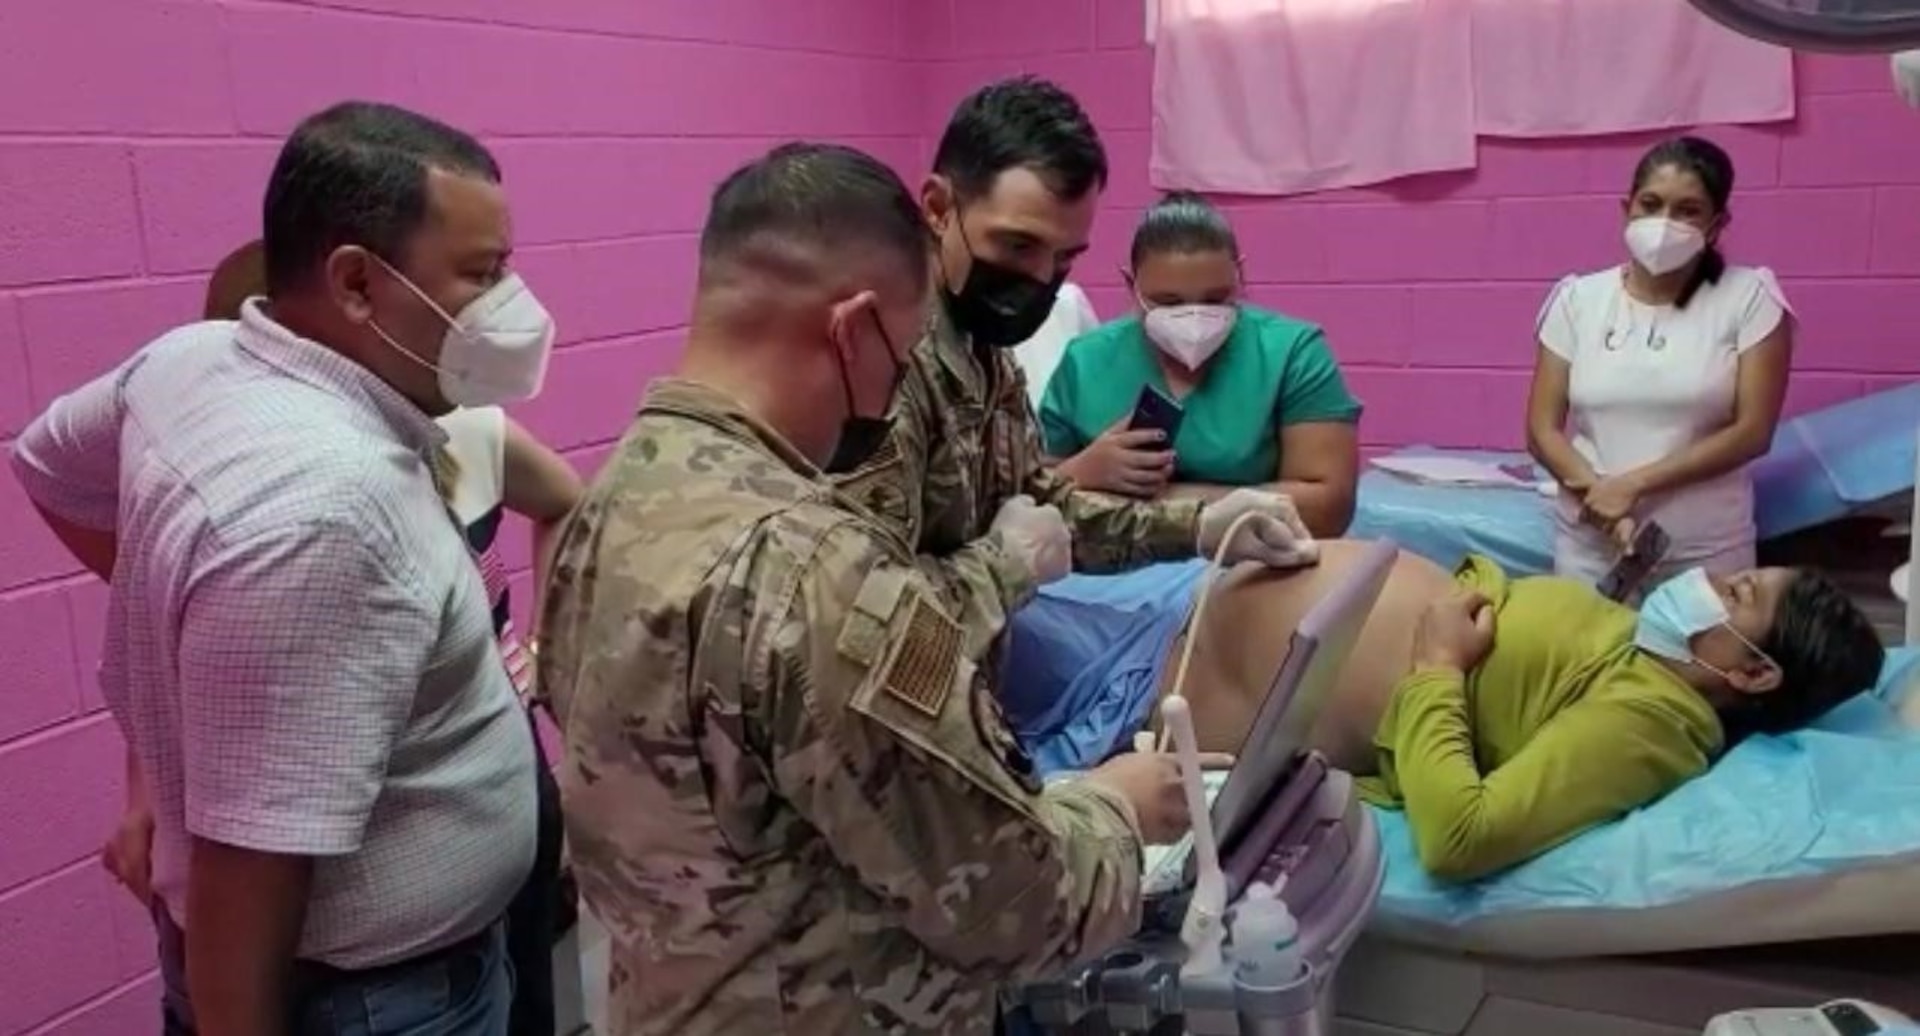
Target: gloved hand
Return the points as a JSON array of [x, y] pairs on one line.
[[1275, 536], [1037, 534], [1906, 76]]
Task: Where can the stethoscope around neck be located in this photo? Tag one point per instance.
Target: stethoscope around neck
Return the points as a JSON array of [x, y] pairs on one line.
[[1618, 338]]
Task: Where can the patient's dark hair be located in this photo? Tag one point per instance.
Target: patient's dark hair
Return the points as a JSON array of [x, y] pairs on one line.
[[1182, 223], [1827, 651]]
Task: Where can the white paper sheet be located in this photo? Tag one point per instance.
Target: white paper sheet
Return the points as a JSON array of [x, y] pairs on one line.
[[1453, 471]]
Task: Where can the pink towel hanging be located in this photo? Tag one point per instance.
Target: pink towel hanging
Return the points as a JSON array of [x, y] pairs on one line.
[[1286, 96], [1561, 68]]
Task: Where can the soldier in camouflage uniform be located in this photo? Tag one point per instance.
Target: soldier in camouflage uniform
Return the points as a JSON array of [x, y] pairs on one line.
[[1015, 182], [790, 794]]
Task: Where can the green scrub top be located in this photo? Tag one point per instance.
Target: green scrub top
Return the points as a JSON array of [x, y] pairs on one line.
[[1563, 726], [1271, 372]]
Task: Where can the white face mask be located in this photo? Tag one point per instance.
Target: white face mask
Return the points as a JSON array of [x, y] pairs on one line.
[[1190, 334], [1661, 245], [495, 352]]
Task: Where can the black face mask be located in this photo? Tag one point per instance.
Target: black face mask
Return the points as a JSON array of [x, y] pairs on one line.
[[999, 307], [862, 437]]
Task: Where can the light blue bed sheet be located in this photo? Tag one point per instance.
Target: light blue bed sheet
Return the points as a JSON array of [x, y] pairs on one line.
[[1513, 527], [1822, 466], [1843, 793]]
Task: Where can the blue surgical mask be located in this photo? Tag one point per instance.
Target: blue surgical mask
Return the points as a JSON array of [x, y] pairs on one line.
[[1679, 610]]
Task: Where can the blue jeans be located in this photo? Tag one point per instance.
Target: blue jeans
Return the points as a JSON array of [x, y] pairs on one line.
[[463, 990]]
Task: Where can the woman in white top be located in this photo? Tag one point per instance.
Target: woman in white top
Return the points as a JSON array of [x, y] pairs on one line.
[[1659, 380]]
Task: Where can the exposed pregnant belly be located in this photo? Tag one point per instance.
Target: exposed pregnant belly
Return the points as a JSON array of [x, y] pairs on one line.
[[1248, 622]]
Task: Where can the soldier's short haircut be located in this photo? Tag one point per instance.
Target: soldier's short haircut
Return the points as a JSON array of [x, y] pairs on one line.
[[834, 205]]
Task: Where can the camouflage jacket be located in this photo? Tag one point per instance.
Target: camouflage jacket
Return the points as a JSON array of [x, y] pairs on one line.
[[964, 441], [790, 794]]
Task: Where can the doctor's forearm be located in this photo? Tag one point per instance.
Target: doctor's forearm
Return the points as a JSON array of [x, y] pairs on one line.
[[1327, 508], [1205, 492], [1114, 533]]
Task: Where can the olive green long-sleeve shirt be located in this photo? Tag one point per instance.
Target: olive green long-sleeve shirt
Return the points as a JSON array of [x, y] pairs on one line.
[[1564, 726]]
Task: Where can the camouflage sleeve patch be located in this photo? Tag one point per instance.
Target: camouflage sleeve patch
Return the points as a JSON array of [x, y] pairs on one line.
[[927, 662], [891, 747]]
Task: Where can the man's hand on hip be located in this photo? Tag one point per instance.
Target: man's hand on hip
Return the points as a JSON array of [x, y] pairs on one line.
[[128, 854]]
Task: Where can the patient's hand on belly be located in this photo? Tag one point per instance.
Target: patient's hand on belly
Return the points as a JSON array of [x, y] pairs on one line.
[[1248, 627]]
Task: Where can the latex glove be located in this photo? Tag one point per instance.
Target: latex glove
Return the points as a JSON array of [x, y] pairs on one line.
[[1906, 76], [1276, 537], [1037, 534]]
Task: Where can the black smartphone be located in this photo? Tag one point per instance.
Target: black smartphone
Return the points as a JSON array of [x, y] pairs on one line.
[[1649, 548], [1156, 410]]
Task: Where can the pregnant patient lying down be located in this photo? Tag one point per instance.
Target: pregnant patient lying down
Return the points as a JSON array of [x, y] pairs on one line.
[[1508, 715]]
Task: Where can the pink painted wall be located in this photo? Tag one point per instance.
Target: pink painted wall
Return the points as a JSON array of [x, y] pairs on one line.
[[135, 136], [1428, 288]]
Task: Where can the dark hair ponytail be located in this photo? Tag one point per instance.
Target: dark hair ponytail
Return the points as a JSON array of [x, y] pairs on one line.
[[1710, 164], [1182, 222], [1712, 266]]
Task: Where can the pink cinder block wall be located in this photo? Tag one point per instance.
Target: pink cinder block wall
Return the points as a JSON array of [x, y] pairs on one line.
[[135, 138], [1428, 288]]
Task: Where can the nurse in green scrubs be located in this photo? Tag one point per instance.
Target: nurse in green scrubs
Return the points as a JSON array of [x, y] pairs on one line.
[[1263, 400]]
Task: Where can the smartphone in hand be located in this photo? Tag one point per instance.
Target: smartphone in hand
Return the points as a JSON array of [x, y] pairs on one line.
[[1650, 546], [1158, 411]]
